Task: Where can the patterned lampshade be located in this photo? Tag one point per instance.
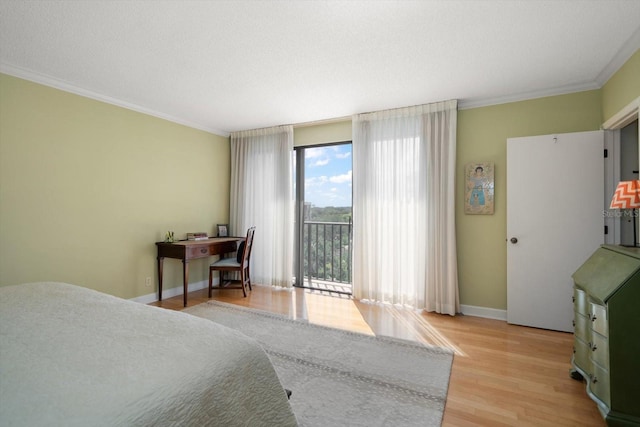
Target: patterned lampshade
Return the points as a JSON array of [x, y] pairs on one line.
[[627, 195]]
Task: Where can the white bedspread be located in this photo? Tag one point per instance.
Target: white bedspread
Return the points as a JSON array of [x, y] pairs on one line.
[[70, 356]]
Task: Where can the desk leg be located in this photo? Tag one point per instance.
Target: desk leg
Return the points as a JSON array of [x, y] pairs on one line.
[[185, 278], [160, 263]]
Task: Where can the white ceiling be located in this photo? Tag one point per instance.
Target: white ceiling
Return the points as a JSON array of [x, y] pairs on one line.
[[233, 65]]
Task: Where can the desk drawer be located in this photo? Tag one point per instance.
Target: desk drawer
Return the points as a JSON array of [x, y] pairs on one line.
[[199, 252]]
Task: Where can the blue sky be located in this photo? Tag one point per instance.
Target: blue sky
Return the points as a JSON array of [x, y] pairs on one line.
[[328, 175]]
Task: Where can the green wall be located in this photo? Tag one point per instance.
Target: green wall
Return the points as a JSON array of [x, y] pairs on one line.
[[325, 133], [482, 136], [622, 88], [86, 188]]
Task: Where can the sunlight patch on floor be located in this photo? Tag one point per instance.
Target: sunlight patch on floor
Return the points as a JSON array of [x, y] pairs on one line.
[[405, 323], [343, 312], [423, 326], [340, 313]]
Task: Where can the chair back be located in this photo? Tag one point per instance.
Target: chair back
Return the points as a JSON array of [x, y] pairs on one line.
[[246, 253]]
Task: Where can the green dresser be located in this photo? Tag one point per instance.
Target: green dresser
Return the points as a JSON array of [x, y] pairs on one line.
[[606, 353]]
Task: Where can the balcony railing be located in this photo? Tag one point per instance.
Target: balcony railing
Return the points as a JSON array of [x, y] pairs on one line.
[[327, 253]]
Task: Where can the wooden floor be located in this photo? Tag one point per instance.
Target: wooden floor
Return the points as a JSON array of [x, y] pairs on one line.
[[502, 375]]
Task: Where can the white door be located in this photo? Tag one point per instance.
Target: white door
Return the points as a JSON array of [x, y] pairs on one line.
[[555, 194]]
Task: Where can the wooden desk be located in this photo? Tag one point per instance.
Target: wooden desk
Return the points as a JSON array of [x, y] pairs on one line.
[[186, 250]]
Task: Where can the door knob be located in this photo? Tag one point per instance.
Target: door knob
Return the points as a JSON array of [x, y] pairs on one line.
[[514, 240]]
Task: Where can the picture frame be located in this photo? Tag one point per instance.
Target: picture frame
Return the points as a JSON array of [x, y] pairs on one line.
[[479, 188], [223, 230]]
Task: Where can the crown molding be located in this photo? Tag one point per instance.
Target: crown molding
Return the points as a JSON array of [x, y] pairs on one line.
[[626, 51], [55, 83], [618, 60], [623, 55], [465, 104]]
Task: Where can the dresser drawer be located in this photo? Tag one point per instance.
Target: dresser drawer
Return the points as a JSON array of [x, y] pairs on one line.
[[581, 354], [582, 325], [600, 350], [580, 301], [599, 384], [599, 321]]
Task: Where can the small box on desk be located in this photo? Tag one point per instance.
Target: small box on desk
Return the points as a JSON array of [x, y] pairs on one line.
[[197, 236]]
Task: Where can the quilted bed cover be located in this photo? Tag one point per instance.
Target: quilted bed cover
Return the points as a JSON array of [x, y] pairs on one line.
[[71, 356]]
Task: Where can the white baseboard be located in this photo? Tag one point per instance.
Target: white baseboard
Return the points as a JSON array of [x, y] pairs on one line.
[[172, 292], [489, 313], [467, 310]]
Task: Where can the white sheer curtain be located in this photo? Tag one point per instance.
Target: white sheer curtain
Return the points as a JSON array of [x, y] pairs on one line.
[[404, 245], [261, 195]]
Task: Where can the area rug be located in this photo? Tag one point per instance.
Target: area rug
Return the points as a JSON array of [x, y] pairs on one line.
[[341, 378]]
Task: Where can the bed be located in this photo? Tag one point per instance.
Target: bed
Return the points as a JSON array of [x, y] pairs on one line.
[[76, 357]]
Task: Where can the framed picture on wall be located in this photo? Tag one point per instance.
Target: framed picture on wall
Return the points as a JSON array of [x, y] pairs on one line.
[[479, 188], [223, 230]]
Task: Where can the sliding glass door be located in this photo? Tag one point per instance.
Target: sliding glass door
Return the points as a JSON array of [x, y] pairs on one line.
[[323, 217]]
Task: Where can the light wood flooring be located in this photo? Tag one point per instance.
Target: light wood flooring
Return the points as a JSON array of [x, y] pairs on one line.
[[502, 375]]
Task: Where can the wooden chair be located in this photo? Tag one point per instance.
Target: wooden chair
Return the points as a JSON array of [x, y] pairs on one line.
[[239, 263]]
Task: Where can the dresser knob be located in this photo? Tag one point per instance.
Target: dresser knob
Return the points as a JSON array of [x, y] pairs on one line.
[[594, 347], [594, 379], [574, 323], [593, 319], [203, 251]]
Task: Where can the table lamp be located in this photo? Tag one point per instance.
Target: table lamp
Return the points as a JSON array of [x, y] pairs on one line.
[[627, 196]]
